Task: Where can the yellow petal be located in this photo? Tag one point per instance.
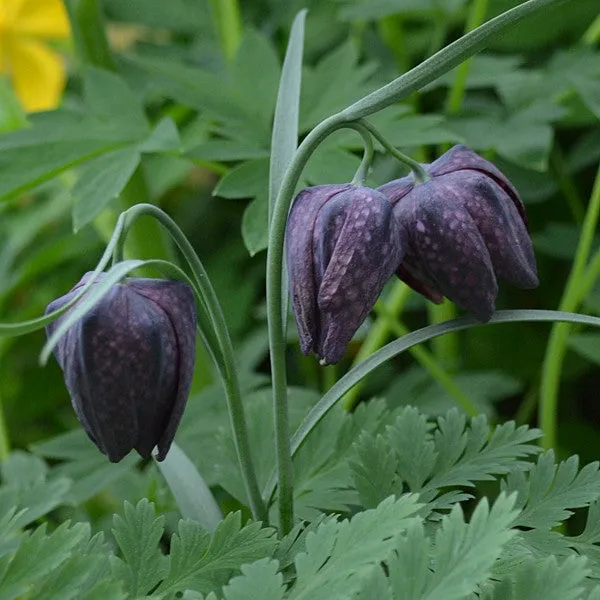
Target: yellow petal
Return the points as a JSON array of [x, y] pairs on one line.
[[40, 18], [9, 12], [37, 73]]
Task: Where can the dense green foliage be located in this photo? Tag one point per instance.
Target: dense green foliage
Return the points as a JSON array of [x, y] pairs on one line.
[[406, 496]]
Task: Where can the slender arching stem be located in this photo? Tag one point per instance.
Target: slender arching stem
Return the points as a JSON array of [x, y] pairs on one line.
[[226, 358]]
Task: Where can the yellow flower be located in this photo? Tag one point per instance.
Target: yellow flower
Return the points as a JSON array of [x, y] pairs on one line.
[[37, 72]]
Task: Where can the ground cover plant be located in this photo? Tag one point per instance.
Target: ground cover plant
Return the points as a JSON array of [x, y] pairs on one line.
[[227, 368]]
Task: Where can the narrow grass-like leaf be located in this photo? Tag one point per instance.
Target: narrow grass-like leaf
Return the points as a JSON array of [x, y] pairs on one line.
[[193, 496], [285, 124]]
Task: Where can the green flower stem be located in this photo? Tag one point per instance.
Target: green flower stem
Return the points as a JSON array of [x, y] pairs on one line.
[[592, 34], [429, 362], [377, 336], [419, 173], [559, 335], [444, 60], [365, 164], [228, 23], [400, 88], [475, 18], [566, 184], [4, 437], [87, 25], [226, 366]]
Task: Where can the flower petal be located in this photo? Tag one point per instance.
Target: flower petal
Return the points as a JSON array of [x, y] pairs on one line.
[[449, 248], [299, 249], [369, 246], [40, 18], [461, 158], [38, 74]]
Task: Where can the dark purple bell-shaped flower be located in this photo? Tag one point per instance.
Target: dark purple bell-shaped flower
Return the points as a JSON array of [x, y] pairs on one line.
[[128, 364], [343, 244], [466, 226]]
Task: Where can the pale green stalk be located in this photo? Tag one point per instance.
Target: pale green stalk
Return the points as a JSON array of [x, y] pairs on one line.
[[559, 335]]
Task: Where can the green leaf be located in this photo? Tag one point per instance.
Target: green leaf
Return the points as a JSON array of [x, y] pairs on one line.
[[255, 72], [101, 180], [204, 563], [338, 554], [38, 555], [12, 115], [589, 90], [462, 555], [193, 496], [334, 83], [284, 139], [259, 581], [255, 228], [111, 100], [545, 579], [163, 138], [88, 564], [248, 180], [138, 533], [587, 345], [548, 491], [374, 470]]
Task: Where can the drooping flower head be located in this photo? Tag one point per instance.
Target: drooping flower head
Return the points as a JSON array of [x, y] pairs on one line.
[[343, 243], [466, 226], [128, 364]]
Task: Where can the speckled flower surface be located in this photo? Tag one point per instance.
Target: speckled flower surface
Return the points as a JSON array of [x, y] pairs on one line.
[[128, 364], [466, 227], [343, 244]]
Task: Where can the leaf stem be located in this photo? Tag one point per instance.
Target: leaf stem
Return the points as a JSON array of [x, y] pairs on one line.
[[226, 365], [559, 335]]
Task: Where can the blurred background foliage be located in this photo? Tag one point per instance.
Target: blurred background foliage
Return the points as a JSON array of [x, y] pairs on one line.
[[179, 113]]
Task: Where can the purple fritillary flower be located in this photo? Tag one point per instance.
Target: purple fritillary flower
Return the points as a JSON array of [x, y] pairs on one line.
[[466, 226], [128, 364], [343, 243]]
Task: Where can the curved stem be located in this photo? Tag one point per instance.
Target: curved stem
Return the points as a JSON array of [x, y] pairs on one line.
[[557, 343], [365, 164], [4, 437], [419, 173], [226, 366], [397, 347]]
